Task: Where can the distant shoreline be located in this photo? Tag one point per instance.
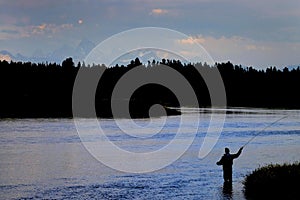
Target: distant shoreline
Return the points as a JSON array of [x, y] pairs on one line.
[[183, 110]]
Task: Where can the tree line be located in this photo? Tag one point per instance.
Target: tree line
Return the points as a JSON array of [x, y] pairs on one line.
[[45, 89]]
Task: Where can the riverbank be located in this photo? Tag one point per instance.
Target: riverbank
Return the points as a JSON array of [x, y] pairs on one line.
[[273, 182], [46, 90]]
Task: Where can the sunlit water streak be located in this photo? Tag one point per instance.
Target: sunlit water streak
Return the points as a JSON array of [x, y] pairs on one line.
[[44, 158]]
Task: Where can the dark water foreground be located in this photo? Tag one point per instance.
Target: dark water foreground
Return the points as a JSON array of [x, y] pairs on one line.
[[45, 159]]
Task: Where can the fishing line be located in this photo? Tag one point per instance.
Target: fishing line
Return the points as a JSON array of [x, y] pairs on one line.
[[259, 132]]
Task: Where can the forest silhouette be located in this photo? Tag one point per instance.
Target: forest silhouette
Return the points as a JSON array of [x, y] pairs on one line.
[[30, 90]]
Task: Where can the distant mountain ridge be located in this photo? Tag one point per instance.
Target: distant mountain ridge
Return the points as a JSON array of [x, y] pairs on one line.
[[78, 53], [291, 67]]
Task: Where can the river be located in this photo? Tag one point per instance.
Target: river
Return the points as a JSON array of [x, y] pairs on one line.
[[45, 158]]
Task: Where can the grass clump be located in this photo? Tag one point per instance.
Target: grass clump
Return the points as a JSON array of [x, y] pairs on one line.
[[274, 182]]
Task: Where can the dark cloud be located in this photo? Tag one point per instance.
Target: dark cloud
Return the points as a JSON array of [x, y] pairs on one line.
[[10, 31]]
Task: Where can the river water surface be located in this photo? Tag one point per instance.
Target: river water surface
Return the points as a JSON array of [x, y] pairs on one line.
[[45, 159]]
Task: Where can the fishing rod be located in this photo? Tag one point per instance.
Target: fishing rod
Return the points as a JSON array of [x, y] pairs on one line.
[[259, 132]]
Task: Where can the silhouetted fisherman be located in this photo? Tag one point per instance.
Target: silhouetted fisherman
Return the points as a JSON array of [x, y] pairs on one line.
[[227, 161]]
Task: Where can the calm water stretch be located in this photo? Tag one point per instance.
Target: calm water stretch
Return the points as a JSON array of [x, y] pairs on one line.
[[45, 159]]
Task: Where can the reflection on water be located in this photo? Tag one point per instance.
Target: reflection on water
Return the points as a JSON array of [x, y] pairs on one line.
[[44, 159]]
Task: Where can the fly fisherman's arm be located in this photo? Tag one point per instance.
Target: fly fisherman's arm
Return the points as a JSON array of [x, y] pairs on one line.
[[238, 153]]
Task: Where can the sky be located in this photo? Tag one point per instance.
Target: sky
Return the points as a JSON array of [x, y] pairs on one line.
[[248, 32]]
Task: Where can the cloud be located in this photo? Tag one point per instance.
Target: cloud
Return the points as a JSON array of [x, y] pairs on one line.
[[190, 55], [12, 32], [16, 32], [158, 11], [251, 47], [49, 28], [192, 40], [245, 51]]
